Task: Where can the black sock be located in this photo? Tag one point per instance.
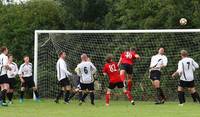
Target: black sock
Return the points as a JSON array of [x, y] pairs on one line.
[[3, 93], [71, 95], [162, 94], [92, 97], [10, 95], [196, 95], [181, 97], [36, 94], [22, 95], [0, 96], [59, 95], [67, 93], [80, 96], [193, 97], [84, 96], [158, 95]]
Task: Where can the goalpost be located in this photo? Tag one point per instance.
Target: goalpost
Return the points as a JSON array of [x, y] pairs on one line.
[[98, 43]]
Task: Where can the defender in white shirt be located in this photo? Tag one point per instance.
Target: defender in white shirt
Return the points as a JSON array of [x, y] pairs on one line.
[[157, 63], [3, 74], [26, 78], [63, 78], [86, 70], [186, 68], [11, 77]]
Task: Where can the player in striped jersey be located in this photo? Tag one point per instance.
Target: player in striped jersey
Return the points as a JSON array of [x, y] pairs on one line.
[[186, 68], [63, 78], [26, 78], [157, 63], [3, 75], [11, 77], [86, 70]]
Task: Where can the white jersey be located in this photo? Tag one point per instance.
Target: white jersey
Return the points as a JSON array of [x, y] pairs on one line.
[[62, 71], [14, 70], [86, 70], [25, 70], [186, 68], [157, 61], [3, 62]]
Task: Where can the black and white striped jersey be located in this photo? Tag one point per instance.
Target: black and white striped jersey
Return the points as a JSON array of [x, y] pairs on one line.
[[26, 70], [14, 70], [186, 68], [3, 63]]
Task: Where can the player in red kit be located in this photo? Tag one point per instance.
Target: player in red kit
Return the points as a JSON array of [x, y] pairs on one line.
[[112, 70], [126, 66]]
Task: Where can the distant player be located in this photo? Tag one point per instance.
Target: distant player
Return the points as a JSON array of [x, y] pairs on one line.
[[11, 77], [26, 78], [86, 70], [3, 75], [157, 63], [63, 78], [112, 70], [126, 66], [186, 68]]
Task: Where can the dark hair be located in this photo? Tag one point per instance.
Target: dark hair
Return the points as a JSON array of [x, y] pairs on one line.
[[26, 56], [109, 58], [61, 53], [3, 48]]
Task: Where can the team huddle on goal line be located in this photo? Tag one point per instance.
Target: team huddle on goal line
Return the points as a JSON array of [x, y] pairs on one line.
[[119, 74]]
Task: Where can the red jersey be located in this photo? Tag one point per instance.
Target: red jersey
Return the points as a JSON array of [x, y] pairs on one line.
[[112, 70], [128, 57]]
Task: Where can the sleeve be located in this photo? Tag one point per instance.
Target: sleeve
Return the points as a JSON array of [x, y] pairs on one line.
[[195, 64], [134, 55], [94, 69], [165, 61], [179, 70], [64, 68], [20, 70], [16, 69], [152, 62], [5, 61]]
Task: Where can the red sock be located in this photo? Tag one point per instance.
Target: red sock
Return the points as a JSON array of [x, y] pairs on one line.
[[122, 76], [107, 98], [129, 85], [128, 94]]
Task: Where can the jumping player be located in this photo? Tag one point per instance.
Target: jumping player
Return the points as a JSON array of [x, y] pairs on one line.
[[126, 62], [112, 70], [186, 68]]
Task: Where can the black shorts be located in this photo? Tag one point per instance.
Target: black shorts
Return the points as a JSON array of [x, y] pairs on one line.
[[29, 82], [155, 75], [186, 84], [90, 86], [118, 85], [12, 82], [127, 67], [64, 82], [3, 79]]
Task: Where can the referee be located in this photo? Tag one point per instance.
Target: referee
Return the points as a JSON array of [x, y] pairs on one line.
[[157, 63]]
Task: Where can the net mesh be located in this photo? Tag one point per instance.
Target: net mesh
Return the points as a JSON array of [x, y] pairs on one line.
[[98, 45]]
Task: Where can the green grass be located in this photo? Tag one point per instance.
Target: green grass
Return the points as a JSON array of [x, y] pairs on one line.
[[46, 108]]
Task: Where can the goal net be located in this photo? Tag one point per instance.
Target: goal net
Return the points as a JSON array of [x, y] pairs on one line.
[[98, 43]]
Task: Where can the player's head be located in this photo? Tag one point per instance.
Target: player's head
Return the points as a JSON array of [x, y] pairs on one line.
[[62, 55], [4, 50], [109, 58], [26, 59], [161, 51], [132, 49], [10, 57], [84, 57], [184, 53]]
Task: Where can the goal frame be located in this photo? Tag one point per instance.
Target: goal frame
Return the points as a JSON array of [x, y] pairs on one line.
[[37, 32]]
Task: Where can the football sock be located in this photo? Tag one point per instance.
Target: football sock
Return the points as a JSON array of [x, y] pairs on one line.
[[129, 96], [181, 97], [193, 97], [92, 97], [122, 76], [162, 94], [59, 95], [22, 95], [107, 98], [130, 85], [80, 96], [72, 95], [3, 93], [10, 96], [36, 94], [196, 95], [84, 96], [67, 93], [158, 94]]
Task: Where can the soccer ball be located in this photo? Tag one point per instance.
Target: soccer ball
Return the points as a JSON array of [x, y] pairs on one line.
[[183, 21]]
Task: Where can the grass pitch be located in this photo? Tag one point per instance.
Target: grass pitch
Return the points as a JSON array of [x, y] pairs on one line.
[[47, 108]]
